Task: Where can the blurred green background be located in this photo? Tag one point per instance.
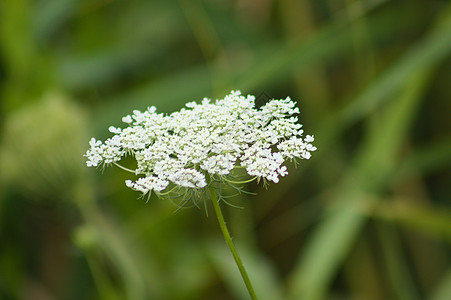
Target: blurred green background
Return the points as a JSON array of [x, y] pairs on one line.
[[368, 217]]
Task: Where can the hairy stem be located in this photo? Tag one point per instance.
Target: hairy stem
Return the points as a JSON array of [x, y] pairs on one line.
[[229, 242]]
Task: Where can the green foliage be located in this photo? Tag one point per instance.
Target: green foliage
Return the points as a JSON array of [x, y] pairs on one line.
[[368, 217]]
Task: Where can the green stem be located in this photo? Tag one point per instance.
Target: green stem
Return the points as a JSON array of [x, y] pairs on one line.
[[229, 242]]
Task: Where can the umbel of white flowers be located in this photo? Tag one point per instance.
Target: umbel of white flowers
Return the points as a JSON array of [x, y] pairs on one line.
[[205, 140]]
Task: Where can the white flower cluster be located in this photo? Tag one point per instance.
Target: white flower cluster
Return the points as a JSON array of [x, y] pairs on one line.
[[206, 138]]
